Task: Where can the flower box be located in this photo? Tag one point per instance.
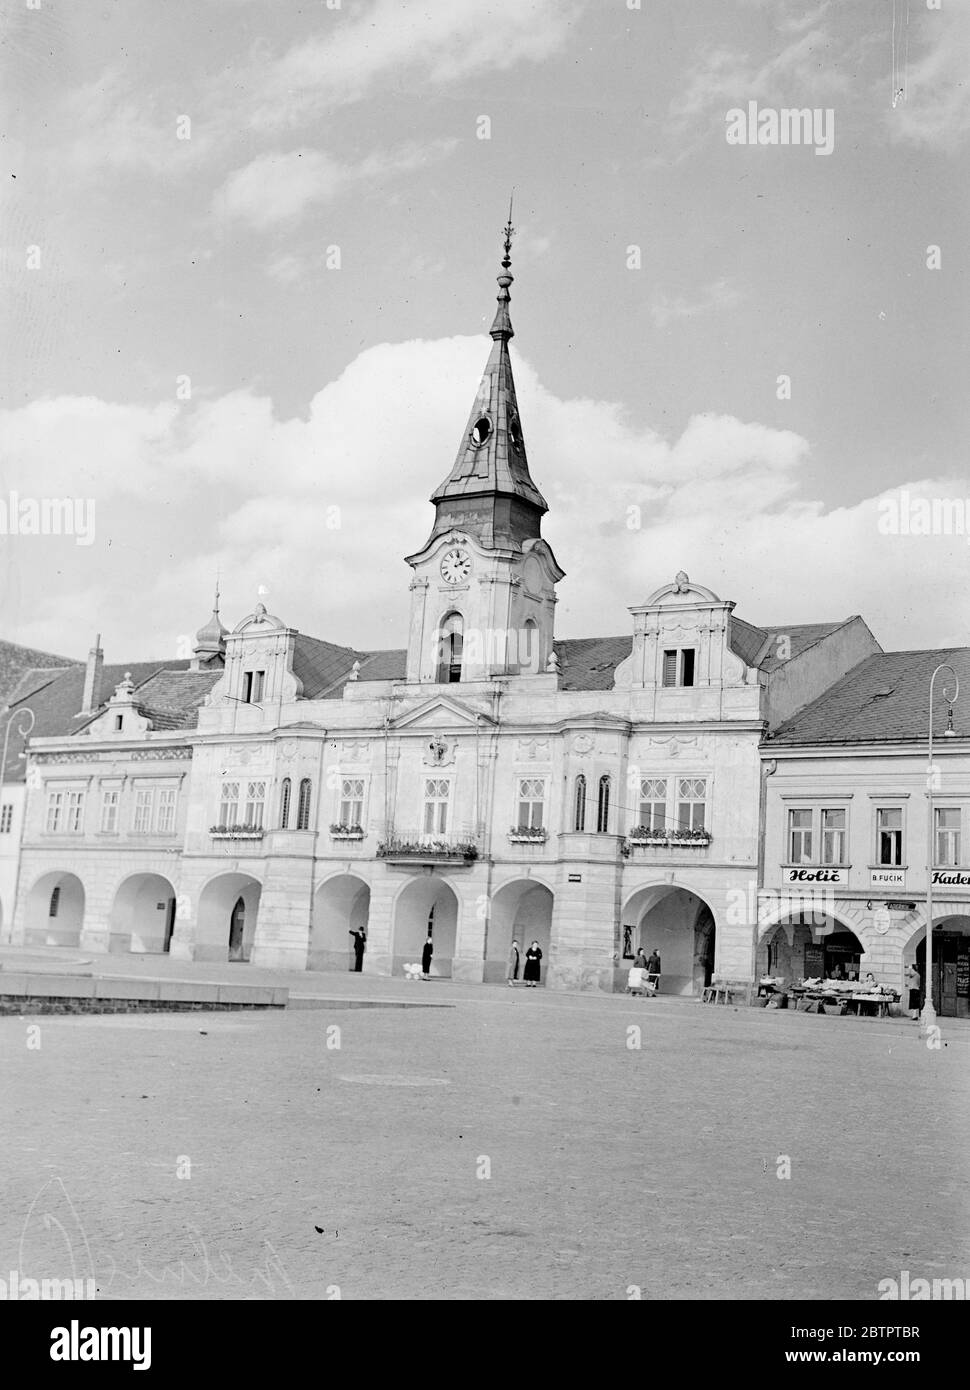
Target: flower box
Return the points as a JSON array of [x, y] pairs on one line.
[[236, 832], [527, 835], [459, 852], [346, 832]]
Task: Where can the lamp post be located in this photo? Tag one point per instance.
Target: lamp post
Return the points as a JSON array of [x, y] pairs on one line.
[[928, 1015], [16, 719]]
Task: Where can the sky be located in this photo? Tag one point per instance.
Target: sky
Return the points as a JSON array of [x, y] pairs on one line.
[[247, 266]]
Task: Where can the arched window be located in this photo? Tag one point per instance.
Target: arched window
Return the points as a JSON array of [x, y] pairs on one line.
[[285, 791], [450, 643], [603, 806], [55, 901], [303, 806], [579, 818], [529, 655]]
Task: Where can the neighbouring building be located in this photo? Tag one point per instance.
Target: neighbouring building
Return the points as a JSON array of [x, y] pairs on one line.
[[847, 834], [488, 780]]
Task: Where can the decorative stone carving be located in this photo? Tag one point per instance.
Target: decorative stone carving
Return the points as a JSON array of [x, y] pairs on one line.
[[438, 753], [533, 748], [582, 745]]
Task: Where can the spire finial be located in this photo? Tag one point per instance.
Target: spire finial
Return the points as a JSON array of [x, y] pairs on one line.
[[215, 603], [502, 327], [509, 233]]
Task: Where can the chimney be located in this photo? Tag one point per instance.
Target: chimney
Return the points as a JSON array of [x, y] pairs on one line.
[[92, 678]]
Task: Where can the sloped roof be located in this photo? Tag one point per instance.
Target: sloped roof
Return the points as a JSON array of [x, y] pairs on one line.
[[776, 645], [171, 698], [319, 664], [57, 703], [885, 699], [589, 663], [16, 662]]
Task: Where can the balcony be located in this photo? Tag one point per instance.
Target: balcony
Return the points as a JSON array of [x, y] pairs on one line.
[[417, 847]]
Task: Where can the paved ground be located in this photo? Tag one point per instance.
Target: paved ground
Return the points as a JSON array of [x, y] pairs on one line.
[[607, 1167]]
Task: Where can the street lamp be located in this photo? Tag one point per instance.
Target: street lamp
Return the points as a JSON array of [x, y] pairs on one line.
[[928, 1015], [23, 732]]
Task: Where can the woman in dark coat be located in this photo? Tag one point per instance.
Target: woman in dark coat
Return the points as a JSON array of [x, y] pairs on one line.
[[512, 974], [426, 955], [360, 941], [530, 974]]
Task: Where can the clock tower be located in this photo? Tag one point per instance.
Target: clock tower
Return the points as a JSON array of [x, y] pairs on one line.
[[483, 593]]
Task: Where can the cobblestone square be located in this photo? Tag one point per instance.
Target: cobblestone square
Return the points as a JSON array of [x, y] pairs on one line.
[[518, 1145]]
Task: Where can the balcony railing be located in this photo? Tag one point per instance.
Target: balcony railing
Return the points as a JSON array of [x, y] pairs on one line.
[[416, 846]]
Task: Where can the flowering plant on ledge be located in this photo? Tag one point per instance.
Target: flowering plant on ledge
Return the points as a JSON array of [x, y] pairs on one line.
[[433, 849], [236, 832], [528, 834], [346, 832], [698, 835], [641, 834]]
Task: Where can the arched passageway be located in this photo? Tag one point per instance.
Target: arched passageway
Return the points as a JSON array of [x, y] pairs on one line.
[[143, 915], [428, 903], [340, 907], [521, 910], [228, 912], [680, 926], [55, 910]]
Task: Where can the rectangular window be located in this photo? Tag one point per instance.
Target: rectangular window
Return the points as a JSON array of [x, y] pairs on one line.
[[255, 800], [833, 836], [75, 812], [653, 803], [165, 824], [55, 811], [144, 805], [352, 801], [6, 818], [532, 797], [678, 667], [948, 837], [691, 803], [253, 687], [436, 790], [800, 837], [229, 805], [889, 835], [110, 798]]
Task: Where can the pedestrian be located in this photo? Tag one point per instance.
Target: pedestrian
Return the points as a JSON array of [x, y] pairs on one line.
[[360, 941], [426, 955], [653, 962], [641, 961], [513, 970], [914, 982], [533, 957]]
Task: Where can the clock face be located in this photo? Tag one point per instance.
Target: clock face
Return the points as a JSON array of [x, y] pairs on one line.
[[455, 567]]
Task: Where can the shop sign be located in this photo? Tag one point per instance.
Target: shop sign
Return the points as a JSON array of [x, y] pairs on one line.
[[816, 876], [887, 878], [951, 878]]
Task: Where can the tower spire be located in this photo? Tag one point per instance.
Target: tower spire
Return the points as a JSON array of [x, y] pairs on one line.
[[490, 488]]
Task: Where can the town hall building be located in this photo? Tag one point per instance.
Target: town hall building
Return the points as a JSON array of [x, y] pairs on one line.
[[488, 781]]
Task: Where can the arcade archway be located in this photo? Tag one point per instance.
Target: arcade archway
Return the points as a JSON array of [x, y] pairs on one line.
[[143, 915], [340, 906], [55, 911], [680, 926], [426, 903], [951, 964], [228, 912], [808, 945], [521, 910]]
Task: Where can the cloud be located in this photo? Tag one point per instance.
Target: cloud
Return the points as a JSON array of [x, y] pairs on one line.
[[281, 186], [719, 295], [322, 509], [437, 43]]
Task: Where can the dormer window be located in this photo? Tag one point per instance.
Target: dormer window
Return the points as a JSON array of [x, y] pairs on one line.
[[253, 687], [119, 723], [481, 429], [678, 667]]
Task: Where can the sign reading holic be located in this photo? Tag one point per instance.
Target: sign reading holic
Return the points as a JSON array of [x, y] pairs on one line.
[[815, 876], [951, 878]]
